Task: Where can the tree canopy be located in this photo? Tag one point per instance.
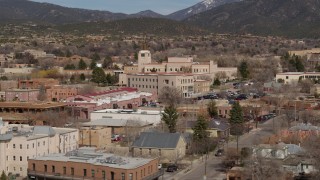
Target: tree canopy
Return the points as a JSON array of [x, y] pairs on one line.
[[236, 119], [243, 70], [170, 117], [212, 109], [82, 65], [98, 76], [200, 129]]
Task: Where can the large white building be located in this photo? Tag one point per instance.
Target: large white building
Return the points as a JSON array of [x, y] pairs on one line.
[[18, 143], [145, 116], [178, 72], [294, 77]]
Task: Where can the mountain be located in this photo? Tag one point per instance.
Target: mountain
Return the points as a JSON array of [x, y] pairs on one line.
[[198, 8], [25, 10], [155, 26], [147, 13], [289, 18]]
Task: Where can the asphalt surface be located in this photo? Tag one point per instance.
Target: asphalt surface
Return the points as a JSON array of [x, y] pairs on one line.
[[213, 169]]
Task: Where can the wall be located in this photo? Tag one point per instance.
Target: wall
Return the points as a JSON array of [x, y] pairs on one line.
[[99, 137], [137, 173]]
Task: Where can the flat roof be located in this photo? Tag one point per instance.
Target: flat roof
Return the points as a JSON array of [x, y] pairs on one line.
[[98, 158], [110, 122], [129, 111], [30, 105]]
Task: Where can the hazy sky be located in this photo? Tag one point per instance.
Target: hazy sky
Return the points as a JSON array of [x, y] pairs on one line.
[[127, 6]]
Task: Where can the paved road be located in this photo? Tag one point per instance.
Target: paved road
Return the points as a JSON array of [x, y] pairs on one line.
[[247, 140]]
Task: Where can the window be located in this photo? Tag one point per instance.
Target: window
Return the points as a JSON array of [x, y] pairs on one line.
[[14, 158], [130, 176], [53, 169], [123, 176], [32, 145], [20, 158], [84, 172], [104, 174], [27, 146], [64, 170], [44, 143], [92, 172], [14, 146], [33, 166], [38, 144], [20, 146], [72, 171], [20, 168], [45, 168], [112, 175]]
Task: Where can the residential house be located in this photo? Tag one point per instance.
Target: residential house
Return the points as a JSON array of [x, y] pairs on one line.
[[219, 128], [170, 147]]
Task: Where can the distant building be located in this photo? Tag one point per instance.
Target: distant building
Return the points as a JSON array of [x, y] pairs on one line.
[[145, 116], [124, 98], [4, 85], [178, 72], [219, 128], [37, 83], [87, 163], [294, 77], [94, 136], [170, 147], [61, 93], [18, 143], [22, 95]]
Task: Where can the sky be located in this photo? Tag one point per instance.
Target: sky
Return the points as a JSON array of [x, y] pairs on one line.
[[127, 6]]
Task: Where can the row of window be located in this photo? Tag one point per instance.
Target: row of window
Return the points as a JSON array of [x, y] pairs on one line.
[[143, 86], [21, 146], [144, 79], [93, 172], [14, 158]]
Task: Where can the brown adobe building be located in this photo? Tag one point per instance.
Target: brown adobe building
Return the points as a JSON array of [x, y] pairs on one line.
[[85, 163]]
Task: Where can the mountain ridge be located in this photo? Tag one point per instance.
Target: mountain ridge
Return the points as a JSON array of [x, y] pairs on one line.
[[289, 18]]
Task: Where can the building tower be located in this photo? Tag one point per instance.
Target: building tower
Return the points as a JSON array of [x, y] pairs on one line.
[[144, 57]]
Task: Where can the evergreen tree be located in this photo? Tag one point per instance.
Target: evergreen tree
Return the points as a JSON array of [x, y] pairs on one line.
[[236, 121], [136, 56], [107, 62], [212, 109], [93, 64], [200, 129], [243, 69], [3, 176], [82, 65], [216, 82], [82, 77], [98, 76], [72, 79], [170, 117]]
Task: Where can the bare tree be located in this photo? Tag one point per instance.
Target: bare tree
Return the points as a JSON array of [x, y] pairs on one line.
[[170, 96]]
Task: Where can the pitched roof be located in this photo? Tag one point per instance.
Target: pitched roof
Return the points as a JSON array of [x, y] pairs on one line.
[[157, 140]]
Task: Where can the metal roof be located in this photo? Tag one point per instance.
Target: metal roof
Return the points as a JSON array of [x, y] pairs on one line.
[[157, 140]]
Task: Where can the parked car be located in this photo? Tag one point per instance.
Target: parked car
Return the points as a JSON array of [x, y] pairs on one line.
[[242, 97], [172, 168], [219, 152]]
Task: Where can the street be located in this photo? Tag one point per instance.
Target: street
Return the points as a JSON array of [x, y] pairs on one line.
[[212, 171]]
